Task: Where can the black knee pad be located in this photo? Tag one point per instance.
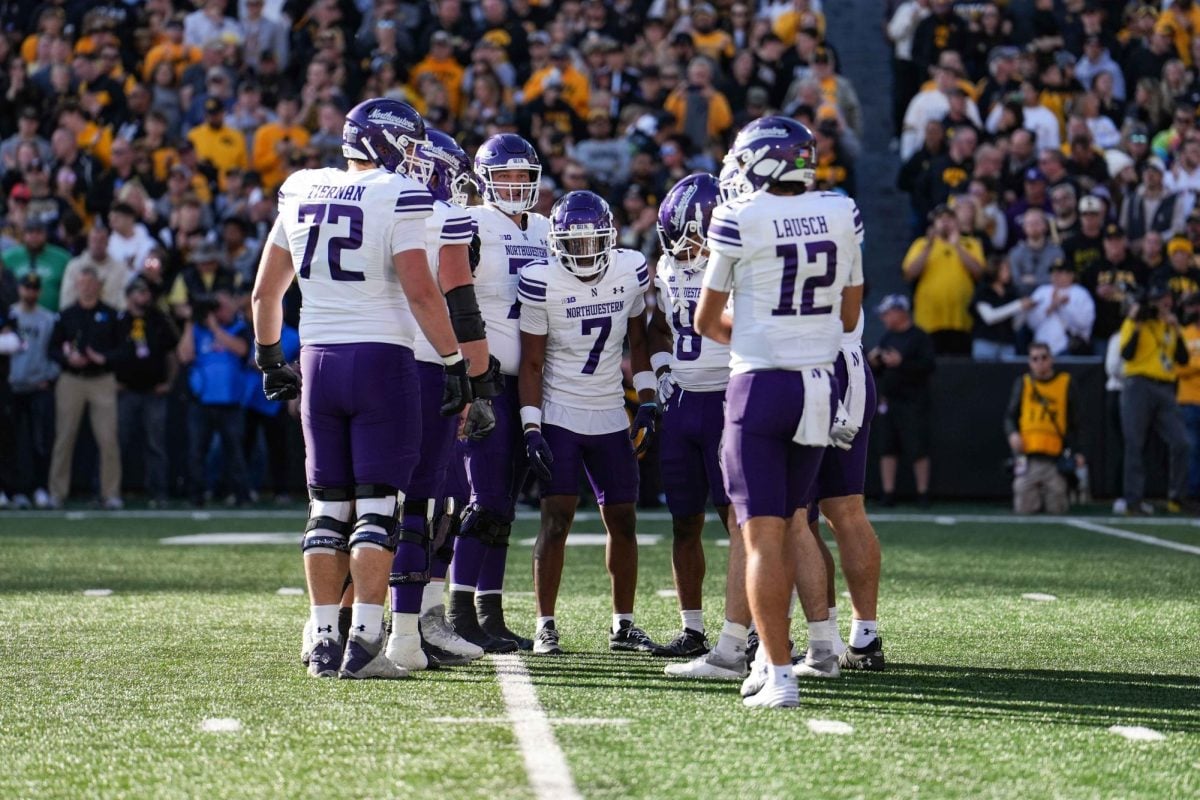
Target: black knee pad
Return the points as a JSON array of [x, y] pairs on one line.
[[487, 526], [446, 527]]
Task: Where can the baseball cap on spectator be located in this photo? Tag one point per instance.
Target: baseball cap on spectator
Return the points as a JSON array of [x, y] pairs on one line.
[[1114, 231], [683, 37], [537, 38], [1064, 59], [29, 112], [35, 224], [891, 302], [20, 192], [1180, 244], [1090, 204], [1034, 174], [1154, 162], [441, 37], [137, 284], [216, 74], [1004, 52], [30, 280], [941, 209], [560, 52], [205, 254], [213, 106], [1062, 265], [704, 8], [1139, 135]]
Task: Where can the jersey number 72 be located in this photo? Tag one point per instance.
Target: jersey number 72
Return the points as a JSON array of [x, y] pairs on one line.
[[332, 213]]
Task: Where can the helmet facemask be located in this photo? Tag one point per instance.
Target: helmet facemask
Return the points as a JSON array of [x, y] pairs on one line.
[[512, 197], [584, 250]]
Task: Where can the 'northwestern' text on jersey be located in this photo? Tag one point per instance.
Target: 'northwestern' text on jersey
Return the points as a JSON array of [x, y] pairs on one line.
[[585, 325], [786, 259], [342, 229], [697, 364], [504, 250]]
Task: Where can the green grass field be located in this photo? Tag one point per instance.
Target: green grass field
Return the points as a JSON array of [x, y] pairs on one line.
[[987, 694]]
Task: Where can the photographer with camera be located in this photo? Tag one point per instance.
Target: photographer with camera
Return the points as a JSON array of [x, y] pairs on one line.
[[214, 345], [1042, 426], [1152, 350]]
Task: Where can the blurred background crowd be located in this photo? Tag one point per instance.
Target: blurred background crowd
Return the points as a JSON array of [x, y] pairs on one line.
[[1048, 149]]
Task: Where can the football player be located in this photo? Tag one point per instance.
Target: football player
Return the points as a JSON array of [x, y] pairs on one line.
[[510, 236], [576, 311], [355, 240], [420, 563], [692, 375], [791, 260]]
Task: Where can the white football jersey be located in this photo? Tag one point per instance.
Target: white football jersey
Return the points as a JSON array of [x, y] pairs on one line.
[[697, 364], [786, 259], [342, 229], [585, 326], [447, 225], [504, 250]]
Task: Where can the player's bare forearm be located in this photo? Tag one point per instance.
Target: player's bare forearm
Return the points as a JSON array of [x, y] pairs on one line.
[[529, 376], [426, 302], [639, 354], [852, 297], [266, 301], [711, 320], [477, 353]]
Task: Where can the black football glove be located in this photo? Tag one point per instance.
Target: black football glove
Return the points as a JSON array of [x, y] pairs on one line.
[[645, 421], [280, 382], [491, 382], [457, 391], [481, 420], [540, 457]]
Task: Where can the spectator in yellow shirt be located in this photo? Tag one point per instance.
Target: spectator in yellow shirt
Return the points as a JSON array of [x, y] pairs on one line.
[[172, 50], [701, 112], [91, 137], [709, 40], [441, 64], [1188, 392], [575, 83], [1181, 22], [217, 143], [944, 265], [801, 16], [275, 142]]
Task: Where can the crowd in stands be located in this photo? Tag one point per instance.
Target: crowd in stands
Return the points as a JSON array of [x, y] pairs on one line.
[[1051, 156], [142, 141]]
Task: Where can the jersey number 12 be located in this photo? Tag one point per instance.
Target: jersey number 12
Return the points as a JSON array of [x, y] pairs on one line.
[[790, 253]]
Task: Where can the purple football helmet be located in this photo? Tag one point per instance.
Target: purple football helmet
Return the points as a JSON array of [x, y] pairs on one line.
[[508, 151], [683, 219], [386, 133], [776, 150], [449, 168], [582, 235]]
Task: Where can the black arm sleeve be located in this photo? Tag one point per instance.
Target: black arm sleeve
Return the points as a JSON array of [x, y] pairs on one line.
[[464, 314], [1181, 351], [1012, 417], [1130, 348]]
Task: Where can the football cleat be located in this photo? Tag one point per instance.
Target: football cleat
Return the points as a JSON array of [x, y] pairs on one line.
[[775, 695], [366, 659], [869, 657], [490, 614], [710, 665], [436, 657], [756, 680], [462, 617], [630, 637], [404, 649], [688, 644], [751, 645], [306, 642], [436, 632], [545, 642], [810, 667], [324, 657]]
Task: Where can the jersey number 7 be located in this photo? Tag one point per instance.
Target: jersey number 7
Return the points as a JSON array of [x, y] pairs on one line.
[[604, 325], [332, 213], [790, 253]]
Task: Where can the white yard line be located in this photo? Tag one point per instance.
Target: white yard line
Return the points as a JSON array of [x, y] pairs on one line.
[[1134, 537], [549, 775]]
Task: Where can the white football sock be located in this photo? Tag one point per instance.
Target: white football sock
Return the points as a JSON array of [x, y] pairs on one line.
[[780, 674], [618, 619], [693, 620], [366, 620], [863, 632], [405, 624], [732, 642], [432, 595], [545, 622], [325, 622], [818, 641]]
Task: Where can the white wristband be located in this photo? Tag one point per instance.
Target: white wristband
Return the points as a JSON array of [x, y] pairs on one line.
[[660, 360], [645, 381], [531, 415], [452, 359]]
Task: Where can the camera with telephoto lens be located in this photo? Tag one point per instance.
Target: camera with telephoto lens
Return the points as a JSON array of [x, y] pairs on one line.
[[202, 306]]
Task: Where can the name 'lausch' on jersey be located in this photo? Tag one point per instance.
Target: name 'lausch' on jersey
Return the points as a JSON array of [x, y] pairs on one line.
[[786, 259]]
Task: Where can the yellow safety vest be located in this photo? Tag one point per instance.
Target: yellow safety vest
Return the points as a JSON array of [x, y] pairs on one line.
[[1044, 415]]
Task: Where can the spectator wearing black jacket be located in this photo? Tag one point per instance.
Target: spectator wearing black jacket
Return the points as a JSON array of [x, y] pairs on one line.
[[1113, 280], [145, 375], [86, 343], [902, 362]]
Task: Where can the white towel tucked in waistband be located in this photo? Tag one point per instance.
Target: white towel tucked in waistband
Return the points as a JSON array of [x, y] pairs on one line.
[[856, 393], [817, 418]]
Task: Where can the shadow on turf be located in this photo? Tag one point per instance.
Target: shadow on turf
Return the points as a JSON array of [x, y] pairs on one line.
[[1090, 699]]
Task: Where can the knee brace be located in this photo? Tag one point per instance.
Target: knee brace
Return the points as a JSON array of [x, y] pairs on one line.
[[487, 526], [446, 526], [328, 526], [420, 538], [376, 507]]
